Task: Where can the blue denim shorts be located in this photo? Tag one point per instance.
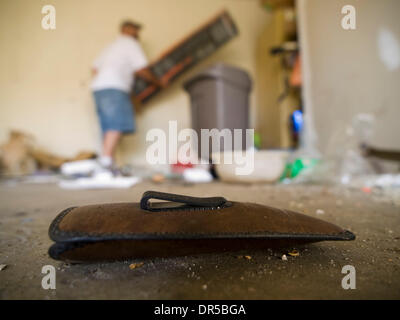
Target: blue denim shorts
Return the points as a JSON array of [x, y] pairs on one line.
[[115, 110]]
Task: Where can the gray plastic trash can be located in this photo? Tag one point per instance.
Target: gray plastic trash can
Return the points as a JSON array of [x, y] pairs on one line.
[[219, 99]]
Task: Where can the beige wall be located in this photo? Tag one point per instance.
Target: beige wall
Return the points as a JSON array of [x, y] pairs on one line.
[[44, 79], [344, 72]]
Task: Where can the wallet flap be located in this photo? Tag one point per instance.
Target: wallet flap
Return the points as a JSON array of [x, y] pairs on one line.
[[125, 221]]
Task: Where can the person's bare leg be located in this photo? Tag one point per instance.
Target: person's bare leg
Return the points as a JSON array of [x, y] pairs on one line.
[[110, 142]]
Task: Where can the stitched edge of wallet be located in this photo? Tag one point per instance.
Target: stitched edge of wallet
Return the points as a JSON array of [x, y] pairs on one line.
[[58, 235]]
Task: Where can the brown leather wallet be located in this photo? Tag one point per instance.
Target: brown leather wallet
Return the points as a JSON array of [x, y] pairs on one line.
[[179, 225]]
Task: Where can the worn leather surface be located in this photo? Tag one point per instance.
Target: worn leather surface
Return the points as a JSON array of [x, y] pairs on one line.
[[124, 219], [123, 230], [125, 249]]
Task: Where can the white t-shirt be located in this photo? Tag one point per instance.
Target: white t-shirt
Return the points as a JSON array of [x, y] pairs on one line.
[[117, 63]]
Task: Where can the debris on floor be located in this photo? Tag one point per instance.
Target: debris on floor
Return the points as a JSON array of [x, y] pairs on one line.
[[100, 181], [2, 267], [136, 265], [15, 155], [284, 257], [247, 257], [197, 175], [268, 166], [294, 253], [80, 168], [158, 178], [21, 155], [48, 160]]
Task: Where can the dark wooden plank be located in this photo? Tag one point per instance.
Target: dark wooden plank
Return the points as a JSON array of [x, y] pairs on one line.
[[186, 53]]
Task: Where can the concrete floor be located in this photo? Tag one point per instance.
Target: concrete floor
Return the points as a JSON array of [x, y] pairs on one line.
[[26, 211]]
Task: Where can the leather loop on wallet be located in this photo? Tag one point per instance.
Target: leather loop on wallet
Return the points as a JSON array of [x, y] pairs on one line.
[[175, 201]]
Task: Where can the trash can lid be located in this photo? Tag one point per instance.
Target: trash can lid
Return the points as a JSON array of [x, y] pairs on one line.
[[227, 73]]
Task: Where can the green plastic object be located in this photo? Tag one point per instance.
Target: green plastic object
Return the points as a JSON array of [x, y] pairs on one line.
[[292, 169], [257, 140]]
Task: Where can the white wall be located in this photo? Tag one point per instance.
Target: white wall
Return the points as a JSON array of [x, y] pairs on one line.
[[346, 74]]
